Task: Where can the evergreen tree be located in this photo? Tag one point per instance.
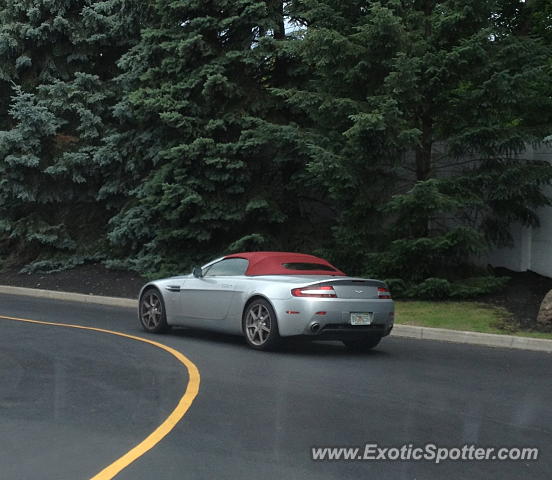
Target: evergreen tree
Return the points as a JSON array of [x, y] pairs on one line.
[[187, 129], [352, 132], [60, 59], [209, 168], [421, 107], [482, 88]]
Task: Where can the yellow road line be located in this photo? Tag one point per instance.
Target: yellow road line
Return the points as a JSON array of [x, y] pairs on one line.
[[162, 430]]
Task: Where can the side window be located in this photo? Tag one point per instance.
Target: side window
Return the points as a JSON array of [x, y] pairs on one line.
[[227, 267]]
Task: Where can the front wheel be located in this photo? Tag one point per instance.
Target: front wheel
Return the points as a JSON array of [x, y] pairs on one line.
[[362, 344], [260, 326], [152, 311]]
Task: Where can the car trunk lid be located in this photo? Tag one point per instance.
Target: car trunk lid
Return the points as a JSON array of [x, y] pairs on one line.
[[352, 288]]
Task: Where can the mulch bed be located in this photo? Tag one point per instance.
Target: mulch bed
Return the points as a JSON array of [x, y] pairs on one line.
[[88, 279], [522, 296]]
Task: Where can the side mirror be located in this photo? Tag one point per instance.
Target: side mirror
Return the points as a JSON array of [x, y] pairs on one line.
[[197, 272]]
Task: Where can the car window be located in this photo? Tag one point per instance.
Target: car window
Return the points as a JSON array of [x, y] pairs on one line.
[[308, 266], [227, 267]]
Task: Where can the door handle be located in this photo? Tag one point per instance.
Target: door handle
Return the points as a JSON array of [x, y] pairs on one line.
[[173, 288]]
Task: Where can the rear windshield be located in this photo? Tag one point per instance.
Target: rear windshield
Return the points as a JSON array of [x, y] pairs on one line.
[[308, 266]]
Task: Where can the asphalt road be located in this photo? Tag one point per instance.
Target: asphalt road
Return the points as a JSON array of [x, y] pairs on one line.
[[73, 401]]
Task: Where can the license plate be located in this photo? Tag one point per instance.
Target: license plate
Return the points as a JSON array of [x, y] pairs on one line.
[[362, 318]]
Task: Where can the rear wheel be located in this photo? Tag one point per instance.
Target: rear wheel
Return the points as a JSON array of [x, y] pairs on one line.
[[260, 326], [152, 311], [362, 344]]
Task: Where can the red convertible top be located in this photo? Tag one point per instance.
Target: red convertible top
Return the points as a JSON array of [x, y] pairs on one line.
[[285, 263]]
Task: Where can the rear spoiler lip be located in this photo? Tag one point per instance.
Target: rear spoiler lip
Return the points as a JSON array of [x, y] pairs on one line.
[[371, 282]]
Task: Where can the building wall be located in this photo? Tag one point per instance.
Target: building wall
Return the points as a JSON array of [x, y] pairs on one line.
[[541, 244], [532, 247], [518, 257]]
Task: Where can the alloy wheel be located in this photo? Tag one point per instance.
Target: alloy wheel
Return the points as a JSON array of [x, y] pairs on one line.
[[258, 324], [151, 311]]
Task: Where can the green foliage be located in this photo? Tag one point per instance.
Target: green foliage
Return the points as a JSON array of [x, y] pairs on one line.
[[211, 174], [354, 133], [433, 288], [59, 263], [57, 65], [397, 287], [476, 286], [382, 135], [416, 113]]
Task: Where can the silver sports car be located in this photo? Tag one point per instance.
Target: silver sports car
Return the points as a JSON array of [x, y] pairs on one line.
[[269, 295]]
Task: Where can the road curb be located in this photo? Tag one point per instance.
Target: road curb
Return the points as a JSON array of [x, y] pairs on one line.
[[473, 338], [407, 331], [70, 296]]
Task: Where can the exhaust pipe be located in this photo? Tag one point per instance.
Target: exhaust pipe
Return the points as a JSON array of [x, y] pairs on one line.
[[315, 327]]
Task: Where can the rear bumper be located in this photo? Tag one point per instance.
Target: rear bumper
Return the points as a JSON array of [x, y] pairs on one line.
[[329, 318], [344, 332]]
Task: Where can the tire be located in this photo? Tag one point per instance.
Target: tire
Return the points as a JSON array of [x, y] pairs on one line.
[[362, 344], [260, 326], [151, 311]]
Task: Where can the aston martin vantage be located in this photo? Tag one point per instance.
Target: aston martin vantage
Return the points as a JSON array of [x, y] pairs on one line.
[[268, 296]]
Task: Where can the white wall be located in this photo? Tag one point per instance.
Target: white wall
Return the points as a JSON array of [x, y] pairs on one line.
[[532, 248], [541, 244], [518, 257]]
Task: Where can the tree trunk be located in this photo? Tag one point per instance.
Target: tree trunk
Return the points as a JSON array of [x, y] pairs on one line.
[[279, 76], [279, 24], [423, 151]]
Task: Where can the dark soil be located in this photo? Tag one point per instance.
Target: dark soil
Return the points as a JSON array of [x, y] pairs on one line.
[[88, 279], [522, 296]]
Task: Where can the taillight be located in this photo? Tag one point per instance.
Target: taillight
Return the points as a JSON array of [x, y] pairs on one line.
[[384, 293], [320, 291]]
